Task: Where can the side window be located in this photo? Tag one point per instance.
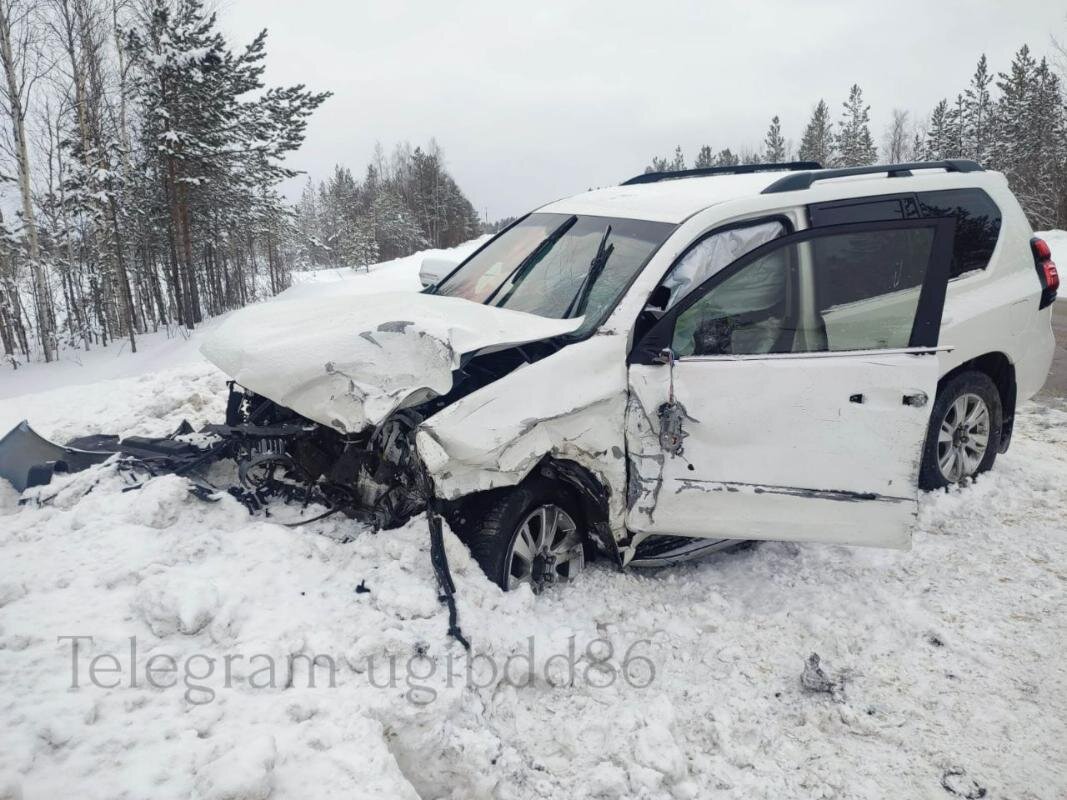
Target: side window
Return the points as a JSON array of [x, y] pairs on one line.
[[977, 225], [856, 290], [867, 287], [712, 253], [745, 313]]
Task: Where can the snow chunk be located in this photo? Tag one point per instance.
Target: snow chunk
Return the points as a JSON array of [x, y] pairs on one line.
[[172, 604], [243, 772]]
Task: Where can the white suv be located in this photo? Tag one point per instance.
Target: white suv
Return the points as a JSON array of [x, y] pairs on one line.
[[686, 360]]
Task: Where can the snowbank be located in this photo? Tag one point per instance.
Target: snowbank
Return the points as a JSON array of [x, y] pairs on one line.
[[1057, 240], [946, 660], [400, 274]]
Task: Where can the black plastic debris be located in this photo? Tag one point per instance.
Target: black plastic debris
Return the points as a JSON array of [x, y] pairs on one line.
[[28, 459], [955, 781], [815, 679], [439, 559]]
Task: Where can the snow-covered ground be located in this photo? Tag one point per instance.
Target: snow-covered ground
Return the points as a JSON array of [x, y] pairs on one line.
[[947, 662]]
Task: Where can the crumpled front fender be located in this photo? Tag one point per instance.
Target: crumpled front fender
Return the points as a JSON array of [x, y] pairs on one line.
[[570, 406]]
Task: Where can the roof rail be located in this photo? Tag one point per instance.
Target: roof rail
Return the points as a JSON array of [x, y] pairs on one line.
[[804, 180], [740, 169]]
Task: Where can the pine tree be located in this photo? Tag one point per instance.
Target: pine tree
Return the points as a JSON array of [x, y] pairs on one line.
[[817, 143], [659, 164], [956, 128], [214, 137], [678, 161], [705, 158], [1012, 121], [1046, 148], [855, 146], [774, 143], [939, 133], [977, 121], [726, 158]]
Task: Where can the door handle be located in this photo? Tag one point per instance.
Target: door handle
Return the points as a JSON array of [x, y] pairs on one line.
[[856, 398], [918, 399]]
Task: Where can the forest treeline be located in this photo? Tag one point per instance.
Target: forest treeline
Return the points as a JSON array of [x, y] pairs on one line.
[[1013, 121], [404, 203], [144, 154], [139, 166]]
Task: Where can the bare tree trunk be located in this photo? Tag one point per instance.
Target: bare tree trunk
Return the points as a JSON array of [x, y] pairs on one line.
[[11, 61], [123, 278]]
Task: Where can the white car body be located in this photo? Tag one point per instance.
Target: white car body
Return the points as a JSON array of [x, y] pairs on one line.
[[777, 446]]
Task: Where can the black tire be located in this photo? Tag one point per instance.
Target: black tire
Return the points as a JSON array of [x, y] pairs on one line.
[[488, 523], [971, 382]]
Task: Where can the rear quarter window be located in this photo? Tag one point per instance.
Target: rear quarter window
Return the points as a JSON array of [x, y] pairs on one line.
[[977, 225]]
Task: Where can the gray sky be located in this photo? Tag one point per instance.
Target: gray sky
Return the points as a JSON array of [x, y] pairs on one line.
[[535, 101]]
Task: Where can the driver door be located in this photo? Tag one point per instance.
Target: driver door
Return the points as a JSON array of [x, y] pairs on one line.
[[788, 396]]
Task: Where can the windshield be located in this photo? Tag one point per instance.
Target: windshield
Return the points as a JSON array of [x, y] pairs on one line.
[[558, 265]]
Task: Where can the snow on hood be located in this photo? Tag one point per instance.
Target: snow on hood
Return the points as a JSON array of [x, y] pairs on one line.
[[348, 361]]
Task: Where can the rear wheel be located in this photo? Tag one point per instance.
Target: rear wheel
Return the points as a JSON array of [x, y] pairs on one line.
[[964, 433], [531, 534]]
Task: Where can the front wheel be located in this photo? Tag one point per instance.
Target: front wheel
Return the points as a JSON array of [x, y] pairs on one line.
[[530, 534], [964, 433]]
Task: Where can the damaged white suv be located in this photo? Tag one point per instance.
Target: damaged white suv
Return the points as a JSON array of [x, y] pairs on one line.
[[658, 369], [653, 370]]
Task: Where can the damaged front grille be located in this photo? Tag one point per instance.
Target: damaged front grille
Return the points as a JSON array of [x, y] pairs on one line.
[[372, 475]]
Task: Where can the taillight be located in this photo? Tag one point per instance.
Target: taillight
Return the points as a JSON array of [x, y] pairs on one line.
[[1046, 271]]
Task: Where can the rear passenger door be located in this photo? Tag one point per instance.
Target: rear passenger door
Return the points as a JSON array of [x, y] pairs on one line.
[[799, 415]]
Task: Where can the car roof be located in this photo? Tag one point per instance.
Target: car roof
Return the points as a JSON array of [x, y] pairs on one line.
[[664, 201], [674, 200]]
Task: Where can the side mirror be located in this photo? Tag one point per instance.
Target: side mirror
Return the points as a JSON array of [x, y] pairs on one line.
[[435, 268]]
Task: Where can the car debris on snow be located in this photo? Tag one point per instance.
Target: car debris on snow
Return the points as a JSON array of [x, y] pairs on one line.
[[815, 679]]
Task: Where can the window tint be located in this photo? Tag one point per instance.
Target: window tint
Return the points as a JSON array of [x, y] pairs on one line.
[[865, 209], [845, 291], [867, 286], [977, 225], [856, 266]]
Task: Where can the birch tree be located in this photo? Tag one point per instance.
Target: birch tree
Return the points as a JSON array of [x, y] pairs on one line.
[[19, 40]]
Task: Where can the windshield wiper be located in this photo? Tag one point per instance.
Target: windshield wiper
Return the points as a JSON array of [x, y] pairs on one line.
[[596, 267], [527, 264]]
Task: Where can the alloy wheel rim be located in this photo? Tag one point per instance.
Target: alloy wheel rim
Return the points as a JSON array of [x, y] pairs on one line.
[[546, 549], [963, 437]]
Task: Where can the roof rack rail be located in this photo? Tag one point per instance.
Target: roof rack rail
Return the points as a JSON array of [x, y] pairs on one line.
[[804, 180], [740, 169]]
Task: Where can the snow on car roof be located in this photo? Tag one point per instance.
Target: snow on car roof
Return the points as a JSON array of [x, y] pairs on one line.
[[665, 201]]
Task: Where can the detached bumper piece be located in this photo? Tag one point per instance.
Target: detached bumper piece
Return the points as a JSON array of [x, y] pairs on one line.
[[28, 459]]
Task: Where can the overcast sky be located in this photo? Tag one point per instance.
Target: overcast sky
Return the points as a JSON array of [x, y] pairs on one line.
[[536, 100]]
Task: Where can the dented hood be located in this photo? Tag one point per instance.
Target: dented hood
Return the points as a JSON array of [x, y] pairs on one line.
[[348, 360]]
